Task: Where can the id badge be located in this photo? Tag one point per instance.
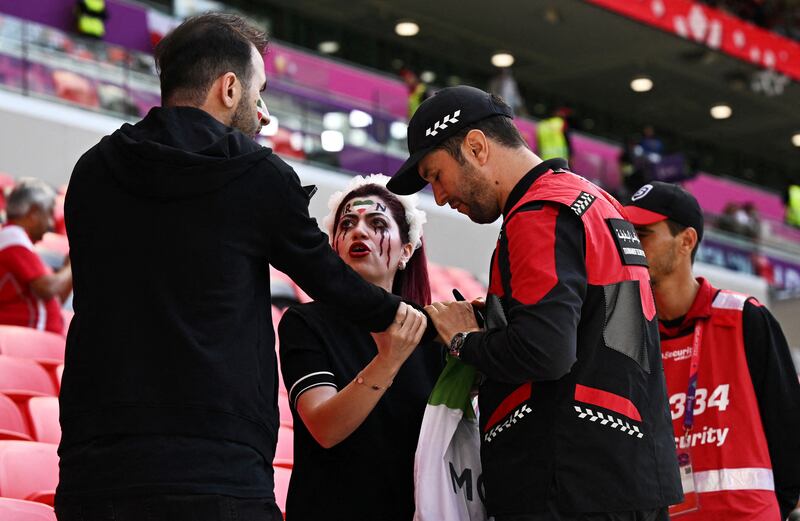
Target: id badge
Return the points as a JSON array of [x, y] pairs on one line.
[[691, 501]]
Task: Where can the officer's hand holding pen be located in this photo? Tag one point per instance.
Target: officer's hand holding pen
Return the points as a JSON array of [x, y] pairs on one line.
[[450, 318]]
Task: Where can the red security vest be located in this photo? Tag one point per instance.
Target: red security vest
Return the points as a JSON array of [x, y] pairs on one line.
[[728, 449], [600, 440]]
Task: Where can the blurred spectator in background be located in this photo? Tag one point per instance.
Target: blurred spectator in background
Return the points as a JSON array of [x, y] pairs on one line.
[[752, 221], [417, 90], [650, 144], [792, 201], [552, 135], [741, 219], [30, 293], [505, 85]]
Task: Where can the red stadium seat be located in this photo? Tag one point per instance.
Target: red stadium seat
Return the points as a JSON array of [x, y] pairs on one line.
[[466, 283], [285, 448], [280, 279], [55, 243], [59, 373], [12, 423], [67, 315], [283, 407], [22, 377], [77, 89], [43, 417], [28, 470], [282, 477], [19, 510], [24, 342], [59, 225]]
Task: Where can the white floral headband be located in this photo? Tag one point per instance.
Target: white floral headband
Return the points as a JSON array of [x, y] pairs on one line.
[[414, 216]]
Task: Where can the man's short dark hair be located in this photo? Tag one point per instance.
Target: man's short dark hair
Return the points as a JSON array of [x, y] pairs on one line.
[[497, 128], [200, 50], [675, 228]]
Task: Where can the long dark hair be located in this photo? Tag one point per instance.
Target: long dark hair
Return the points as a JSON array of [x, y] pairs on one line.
[[412, 283]]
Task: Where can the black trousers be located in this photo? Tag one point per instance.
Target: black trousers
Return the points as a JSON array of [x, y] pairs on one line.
[[171, 508], [552, 515]]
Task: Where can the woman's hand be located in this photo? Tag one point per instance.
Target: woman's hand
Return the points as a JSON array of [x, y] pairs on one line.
[[397, 343]]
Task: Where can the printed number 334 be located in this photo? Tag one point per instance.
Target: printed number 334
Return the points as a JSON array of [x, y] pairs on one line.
[[718, 399]]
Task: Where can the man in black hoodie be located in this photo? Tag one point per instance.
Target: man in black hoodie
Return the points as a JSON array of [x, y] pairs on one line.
[[169, 396]]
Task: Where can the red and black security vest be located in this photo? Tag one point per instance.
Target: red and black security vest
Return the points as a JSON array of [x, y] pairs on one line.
[[599, 439]]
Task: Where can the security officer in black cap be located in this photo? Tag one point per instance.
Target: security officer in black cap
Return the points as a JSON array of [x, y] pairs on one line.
[[574, 417]]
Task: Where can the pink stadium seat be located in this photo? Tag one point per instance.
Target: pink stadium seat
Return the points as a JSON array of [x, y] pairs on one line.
[[75, 88], [285, 447], [43, 416], [28, 470], [469, 286], [282, 476], [22, 377], [283, 406], [54, 242], [12, 423], [7, 181], [25, 342], [67, 316], [59, 374], [59, 226], [279, 278], [19, 510]]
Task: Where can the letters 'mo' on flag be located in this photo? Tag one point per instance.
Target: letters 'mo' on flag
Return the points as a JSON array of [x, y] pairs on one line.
[[447, 466]]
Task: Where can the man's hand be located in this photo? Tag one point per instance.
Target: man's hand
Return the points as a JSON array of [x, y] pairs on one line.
[[452, 317]]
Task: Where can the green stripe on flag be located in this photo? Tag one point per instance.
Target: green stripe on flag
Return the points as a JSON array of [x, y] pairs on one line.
[[453, 387]]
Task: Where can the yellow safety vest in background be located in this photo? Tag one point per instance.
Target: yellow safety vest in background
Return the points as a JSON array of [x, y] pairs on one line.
[[551, 138], [91, 18], [793, 206]]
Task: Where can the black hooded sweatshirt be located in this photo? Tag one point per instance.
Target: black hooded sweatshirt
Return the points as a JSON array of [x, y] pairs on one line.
[[172, 223]]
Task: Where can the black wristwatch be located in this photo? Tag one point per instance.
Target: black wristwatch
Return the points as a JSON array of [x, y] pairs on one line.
[[457, 343]]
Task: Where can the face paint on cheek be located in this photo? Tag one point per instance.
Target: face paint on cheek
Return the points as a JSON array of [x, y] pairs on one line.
[[339, 238], [383, 237], [388, 249]]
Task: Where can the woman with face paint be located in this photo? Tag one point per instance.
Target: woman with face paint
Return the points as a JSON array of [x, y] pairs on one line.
[[358, 398]]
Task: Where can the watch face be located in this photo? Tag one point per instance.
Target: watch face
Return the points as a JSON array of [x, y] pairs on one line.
[[456, 343]]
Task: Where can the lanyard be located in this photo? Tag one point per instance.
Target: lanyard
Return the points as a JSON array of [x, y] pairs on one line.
[[694, 369]]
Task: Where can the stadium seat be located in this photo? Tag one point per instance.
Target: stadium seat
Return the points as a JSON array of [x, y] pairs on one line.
[[285, 448], [284, 290], [469, 286], [43, 417], [77, 89], [28, 470], [20, 377], [59, 373], [59, 225], [20, 510], [282, 477], [54, 243], [67, 315], [12, 423], [25, 342], [283, 406]]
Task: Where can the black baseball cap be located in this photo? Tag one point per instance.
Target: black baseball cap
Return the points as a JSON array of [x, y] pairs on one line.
[[657, 201], [438, 118]]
